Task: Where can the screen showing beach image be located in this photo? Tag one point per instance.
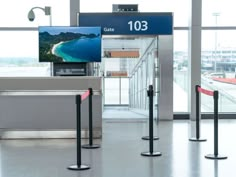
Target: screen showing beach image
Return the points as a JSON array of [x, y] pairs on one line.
[[69, 44]]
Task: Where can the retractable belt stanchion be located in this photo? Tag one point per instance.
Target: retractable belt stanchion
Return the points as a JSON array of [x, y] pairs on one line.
[[78, 166], [90, 145], [215, 155], [148, 138], [197, 118], [150, 153]]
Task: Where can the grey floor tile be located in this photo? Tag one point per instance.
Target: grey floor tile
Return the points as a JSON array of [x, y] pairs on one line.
[[119, 155]]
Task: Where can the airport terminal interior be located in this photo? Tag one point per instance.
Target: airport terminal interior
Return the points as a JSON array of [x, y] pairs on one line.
[[117, 88]]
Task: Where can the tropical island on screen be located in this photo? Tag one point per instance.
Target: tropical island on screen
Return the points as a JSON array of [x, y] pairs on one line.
[[69, 44]]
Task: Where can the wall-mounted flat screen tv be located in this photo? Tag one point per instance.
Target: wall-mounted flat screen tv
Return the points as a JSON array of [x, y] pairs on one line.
[[69, 44]]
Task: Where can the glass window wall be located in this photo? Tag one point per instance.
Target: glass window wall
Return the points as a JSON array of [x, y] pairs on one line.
[[218, 13], [19, 36], [112, 91], [219, 68], [124, 93], [19, 55], [19, 42], [116, 91], [14, 13], [142, 75]]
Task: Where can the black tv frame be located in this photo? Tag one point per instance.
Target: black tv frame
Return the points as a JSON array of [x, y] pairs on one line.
[[63, 28]]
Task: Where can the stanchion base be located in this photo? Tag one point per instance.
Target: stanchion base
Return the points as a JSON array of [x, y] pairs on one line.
[[213, 156], [93, 146], [148, 138], [151, 154], [197, 139], [76, 167]]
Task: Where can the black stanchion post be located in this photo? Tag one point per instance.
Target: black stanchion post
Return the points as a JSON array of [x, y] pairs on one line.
[[216, 123], [197, 117], [151, 121], [150, 153], [215, 155], [78, 166], [147, 137], [90, 104], [197, 114]]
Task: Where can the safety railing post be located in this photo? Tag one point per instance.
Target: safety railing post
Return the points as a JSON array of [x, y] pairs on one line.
[[216, 117], [90, 104], [150, 153], [78, 165], [197, 138]]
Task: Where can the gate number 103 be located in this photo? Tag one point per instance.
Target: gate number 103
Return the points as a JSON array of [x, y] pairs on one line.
[[138, 25]]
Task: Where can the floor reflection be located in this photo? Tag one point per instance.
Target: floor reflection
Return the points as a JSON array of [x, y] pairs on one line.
[[119, 155]]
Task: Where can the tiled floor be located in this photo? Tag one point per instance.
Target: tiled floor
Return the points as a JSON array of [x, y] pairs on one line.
[[119, 113], [119, 155]]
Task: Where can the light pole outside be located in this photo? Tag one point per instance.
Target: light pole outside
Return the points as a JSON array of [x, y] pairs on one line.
[[216, 15]]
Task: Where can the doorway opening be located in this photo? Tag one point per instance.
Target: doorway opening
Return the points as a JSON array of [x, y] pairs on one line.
[[129, 66]]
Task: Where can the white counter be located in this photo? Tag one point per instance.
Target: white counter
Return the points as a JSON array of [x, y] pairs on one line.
[[28, 103]]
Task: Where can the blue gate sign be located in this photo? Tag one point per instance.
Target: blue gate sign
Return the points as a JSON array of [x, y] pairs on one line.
[[129, 23]]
